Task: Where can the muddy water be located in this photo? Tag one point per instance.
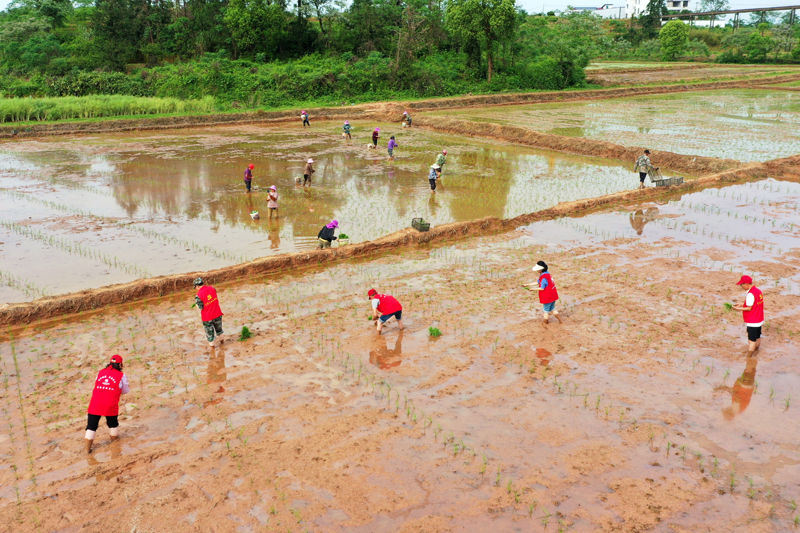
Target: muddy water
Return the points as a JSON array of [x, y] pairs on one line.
[[746, 125], [112, 208], [638, 413]]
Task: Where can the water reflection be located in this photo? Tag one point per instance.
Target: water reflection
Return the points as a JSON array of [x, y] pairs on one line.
[[216, 372], [384, 357], [642, 217], [742, 390]]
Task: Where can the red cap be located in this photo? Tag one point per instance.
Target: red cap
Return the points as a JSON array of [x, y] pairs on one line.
[[116, 359], [252, 165], [371, 293], [745, 279]]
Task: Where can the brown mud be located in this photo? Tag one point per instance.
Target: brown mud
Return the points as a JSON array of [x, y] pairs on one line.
[[26, 313], [638, 413], [375, 111], [678, 74]]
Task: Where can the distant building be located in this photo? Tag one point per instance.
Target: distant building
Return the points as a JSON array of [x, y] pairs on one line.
[[608, 11], [634, 8]]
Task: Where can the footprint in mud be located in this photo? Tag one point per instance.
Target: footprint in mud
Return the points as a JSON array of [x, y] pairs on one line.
[[544, 356]]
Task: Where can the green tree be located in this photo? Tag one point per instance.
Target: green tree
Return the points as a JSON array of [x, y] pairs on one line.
[[256, 26], [673, 37], [758, 46], [488, 20], [116, 32], [714, 5], [650, 21]]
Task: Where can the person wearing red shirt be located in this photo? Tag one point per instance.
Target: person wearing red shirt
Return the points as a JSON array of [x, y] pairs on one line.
[[547, 291], [109, 385], [752, 313], [210, 312], [385, 307]]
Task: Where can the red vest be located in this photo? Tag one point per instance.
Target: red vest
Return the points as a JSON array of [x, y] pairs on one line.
[[387, 305], [105, 396], [550, 294], [210, 310], [756, 313]]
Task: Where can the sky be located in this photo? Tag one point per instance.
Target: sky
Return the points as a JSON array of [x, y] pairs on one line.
[[533, 6]]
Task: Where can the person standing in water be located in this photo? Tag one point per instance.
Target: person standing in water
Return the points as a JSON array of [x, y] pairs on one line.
[[407, 118], [111, 382], [210, 312], [643, 166], [375, 135], [346, 130], [392, 145], [433, 175], [752, 313], [304, 116], [441, 159], [547, 291], [327, 234], [385, 307], [308, 171], [272, 204], [248, 176]]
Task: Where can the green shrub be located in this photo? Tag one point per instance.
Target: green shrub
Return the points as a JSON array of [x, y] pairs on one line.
[[711, 38]]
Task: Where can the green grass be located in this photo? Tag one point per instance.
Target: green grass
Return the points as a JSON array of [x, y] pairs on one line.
[[36, 110]]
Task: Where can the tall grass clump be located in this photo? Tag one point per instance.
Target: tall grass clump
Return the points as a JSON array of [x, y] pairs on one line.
[[99, 106]]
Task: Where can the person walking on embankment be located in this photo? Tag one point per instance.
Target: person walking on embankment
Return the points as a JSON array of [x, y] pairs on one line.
[[548, 295], [346, 130], [109, 385], [210, 312], [384, 307], [327, 234], [248, 176], [643, 166], [752, 313], [304, 116], [392, 145], [308, 171]]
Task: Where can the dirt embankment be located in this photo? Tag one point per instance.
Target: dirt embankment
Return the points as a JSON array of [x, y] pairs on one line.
[[578, 145], [591, 72], [376, 111], [23, 314]]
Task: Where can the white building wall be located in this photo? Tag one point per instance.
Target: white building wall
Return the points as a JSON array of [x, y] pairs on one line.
[[634, 8]]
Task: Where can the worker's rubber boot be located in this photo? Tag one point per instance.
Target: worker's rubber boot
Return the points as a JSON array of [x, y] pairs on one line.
[[87, 445]]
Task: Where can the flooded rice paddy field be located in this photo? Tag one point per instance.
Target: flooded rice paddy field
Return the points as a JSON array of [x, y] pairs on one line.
[[639, 412], [677, 74], [745, 125], [114, 208]]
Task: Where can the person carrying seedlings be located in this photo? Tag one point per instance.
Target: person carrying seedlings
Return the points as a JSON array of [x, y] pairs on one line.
[[385, 307], [308, 171], [109, 385], [248, 176], [326, 234], [272, 204], [346, 130], [643, 166], [392, 145], [375, 135], [441, 159], [547, 291], [407, 118], [433, 175], [210, 312], [304, 116], [752, 313]]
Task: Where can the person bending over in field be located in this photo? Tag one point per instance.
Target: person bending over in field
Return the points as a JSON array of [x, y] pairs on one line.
[[109, 385], [547, 291], [210, 312], [385, 307], [346, 130]]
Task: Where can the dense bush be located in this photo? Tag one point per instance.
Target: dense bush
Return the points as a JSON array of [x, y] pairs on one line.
[[710, 37]]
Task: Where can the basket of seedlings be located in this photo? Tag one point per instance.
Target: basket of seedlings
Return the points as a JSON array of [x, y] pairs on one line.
[[344, 239], [419, 224]]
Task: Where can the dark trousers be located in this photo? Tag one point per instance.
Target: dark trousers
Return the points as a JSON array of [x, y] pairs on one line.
[[642, 176], [433, 184], [248, 183], [94, 422], [306, 122]]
